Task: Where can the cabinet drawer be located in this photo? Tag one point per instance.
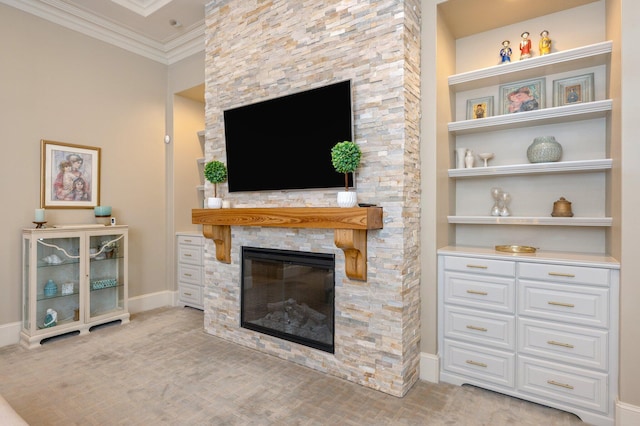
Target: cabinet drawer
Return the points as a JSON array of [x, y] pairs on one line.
[[481, 363], [564, 273], [190, 254], [190, 294], [480, 266], [559, 382], [580, 346], [567, 303], [190, 274], [483, 292], [193, 240], [479, 327]]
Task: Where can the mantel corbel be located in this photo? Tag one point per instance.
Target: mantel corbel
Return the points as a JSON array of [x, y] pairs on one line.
[[350, 227]]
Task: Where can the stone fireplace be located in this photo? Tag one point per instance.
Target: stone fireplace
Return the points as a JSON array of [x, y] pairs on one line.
[[260, 50]]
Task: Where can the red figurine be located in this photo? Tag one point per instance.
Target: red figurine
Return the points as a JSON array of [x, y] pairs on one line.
[[525, 46]]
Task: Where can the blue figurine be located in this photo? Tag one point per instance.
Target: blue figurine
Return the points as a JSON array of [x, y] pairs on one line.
[[505, 52]]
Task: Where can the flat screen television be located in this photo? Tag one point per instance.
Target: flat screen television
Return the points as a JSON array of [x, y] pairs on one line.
[[285, 143]]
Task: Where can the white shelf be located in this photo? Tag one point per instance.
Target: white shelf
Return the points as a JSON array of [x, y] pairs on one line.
[[561, 114], [568, 60], [525, 220], [524, 169]]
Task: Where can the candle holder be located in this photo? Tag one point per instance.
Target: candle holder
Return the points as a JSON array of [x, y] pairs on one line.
[[39, 225]]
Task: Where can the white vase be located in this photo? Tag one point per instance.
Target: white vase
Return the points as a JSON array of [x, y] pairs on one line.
[[347, 198], [460, 154], [214, 202]]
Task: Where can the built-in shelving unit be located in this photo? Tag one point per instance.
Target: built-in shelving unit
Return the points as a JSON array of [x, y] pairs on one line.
[[501, 315], [573, 59], [200, 162]]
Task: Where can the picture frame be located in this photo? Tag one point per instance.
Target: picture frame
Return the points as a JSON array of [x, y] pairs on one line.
[[573, 90], [479, 108], [522, 96], [70, 176]]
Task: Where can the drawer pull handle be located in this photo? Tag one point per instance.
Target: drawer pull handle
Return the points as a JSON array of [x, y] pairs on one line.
[[481, 293], [566, 305], [473, 327], [187, 294], [560, 274], [562, 385], [187, 275], [187, 255], [566, 345], [477, 266], [479, 364], [187, 241]]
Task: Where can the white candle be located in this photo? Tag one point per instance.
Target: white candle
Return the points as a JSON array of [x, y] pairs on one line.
[[39, 215]]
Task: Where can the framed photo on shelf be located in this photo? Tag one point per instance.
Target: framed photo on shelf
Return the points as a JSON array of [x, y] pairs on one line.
[[479, 108], [573, 90], [70, 176], [520, 96]]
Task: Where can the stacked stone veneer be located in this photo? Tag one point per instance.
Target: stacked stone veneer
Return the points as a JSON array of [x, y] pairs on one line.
[[257, 50]]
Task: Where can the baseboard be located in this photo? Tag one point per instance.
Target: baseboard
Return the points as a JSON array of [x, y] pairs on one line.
[[429, 367], [10, 334], [627, 414]]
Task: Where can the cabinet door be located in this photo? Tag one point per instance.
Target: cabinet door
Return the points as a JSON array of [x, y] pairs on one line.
[[55, 295], [107, 274]]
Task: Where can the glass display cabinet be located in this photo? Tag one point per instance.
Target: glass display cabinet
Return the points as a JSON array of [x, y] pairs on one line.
[[73, 279]]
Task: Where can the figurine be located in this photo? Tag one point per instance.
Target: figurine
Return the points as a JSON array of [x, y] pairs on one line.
[[505, 52], [545, 43], [50, 318], [525, 46]]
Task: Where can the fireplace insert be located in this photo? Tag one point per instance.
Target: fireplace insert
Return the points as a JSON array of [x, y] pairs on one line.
[[289, 295]]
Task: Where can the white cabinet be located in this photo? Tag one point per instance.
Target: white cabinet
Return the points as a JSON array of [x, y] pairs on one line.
[[190, 269], [540, 327], [73, 280]]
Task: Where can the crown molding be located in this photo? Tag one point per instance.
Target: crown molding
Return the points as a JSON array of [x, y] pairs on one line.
[[88, 24], [142, 7]]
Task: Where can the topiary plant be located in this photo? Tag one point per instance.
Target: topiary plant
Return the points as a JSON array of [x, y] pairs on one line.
[[345, 157], [215, 172]]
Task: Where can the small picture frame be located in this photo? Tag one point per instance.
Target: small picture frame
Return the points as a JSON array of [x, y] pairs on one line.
[[479, 108], [521, 96], [70, 176], [573, 90]]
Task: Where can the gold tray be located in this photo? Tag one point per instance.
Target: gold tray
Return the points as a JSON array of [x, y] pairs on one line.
[[516, 249]]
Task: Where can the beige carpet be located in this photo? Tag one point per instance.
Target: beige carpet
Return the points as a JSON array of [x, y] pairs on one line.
[[162, 369]]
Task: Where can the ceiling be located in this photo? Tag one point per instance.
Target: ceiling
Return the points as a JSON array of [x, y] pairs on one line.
[[163, 30]]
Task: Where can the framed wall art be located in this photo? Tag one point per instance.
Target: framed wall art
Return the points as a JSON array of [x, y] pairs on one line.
[[573, 90], [70, 176], [479, 108], [520, 96]]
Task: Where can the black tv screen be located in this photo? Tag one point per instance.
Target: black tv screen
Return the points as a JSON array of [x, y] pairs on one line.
[[285, 143]]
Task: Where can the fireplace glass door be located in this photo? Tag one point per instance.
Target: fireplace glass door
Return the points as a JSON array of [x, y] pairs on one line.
[[289, 295]]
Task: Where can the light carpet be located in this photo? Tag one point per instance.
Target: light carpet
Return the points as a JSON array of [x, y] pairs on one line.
[[163, 369]]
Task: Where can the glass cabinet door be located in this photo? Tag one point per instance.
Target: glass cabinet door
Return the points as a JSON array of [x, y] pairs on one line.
[[57, 282], [107, 274]]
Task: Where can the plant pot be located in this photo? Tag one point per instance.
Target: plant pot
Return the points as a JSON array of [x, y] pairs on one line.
[[347, 199], [214, 202]]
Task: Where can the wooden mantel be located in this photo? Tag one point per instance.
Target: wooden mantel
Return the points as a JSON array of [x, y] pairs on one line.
[[350, 227]]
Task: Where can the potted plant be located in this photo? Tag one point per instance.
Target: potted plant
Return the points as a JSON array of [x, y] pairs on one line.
[[345, 157], [215, 172]]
